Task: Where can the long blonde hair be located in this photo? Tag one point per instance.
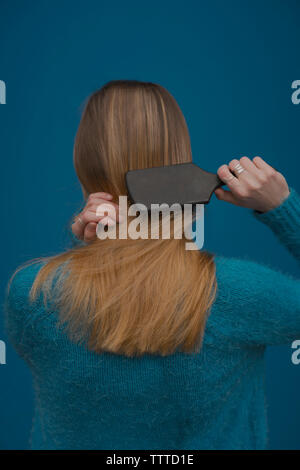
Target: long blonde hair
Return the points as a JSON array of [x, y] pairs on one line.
[[129, 296]]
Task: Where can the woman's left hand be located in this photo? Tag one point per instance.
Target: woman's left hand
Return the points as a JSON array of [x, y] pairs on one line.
[[85, 224]]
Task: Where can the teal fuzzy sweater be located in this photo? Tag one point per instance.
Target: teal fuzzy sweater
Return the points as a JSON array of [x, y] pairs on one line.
[[214, 399]]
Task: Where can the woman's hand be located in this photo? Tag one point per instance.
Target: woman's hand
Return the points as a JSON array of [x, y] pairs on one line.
[[253, 184], [85, 224]]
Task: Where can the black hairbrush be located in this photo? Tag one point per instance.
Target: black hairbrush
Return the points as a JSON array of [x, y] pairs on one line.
[[183, 183]]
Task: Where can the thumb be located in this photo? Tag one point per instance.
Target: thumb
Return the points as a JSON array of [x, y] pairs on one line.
[[225, 195], [90, 232]]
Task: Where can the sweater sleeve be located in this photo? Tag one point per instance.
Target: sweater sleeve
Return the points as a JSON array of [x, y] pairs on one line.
[[284, 221], [258, 304]]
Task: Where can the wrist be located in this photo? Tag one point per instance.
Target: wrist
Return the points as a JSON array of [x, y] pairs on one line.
[[270, 208]]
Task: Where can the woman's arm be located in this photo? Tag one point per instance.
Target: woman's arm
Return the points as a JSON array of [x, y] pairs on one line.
[[260, 305], [284, 221], [257, 305]]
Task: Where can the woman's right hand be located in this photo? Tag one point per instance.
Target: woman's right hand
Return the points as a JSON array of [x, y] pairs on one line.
[[85, 223], [253, 184]]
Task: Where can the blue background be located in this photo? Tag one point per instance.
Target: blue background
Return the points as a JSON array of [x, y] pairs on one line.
[[229, 64]]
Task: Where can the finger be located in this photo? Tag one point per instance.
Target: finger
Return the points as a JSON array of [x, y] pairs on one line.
[[262, 165], [95, 211], [228, 178], [94, 216], [90, 232], [98, 198], [249, 166], [100, 195], [78, 227], [224, 195], [81, 221], [242, 173], [111, 210]]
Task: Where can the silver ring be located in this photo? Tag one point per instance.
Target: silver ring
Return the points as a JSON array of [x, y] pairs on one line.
[[239, 169], [80, 220], [231, 178]]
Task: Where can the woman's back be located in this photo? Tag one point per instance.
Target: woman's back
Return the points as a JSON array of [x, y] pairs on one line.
[[213, 399]]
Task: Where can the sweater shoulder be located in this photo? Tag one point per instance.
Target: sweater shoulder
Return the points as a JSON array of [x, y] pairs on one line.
[[244, 269], [19, 286], [17, 305], [255, 303], [20, 312], [246, 280]]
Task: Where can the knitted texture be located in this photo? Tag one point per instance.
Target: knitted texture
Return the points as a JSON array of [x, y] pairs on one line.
[[213, 399]]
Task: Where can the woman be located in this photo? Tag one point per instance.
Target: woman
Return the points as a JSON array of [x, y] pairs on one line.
[[140, 344]]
